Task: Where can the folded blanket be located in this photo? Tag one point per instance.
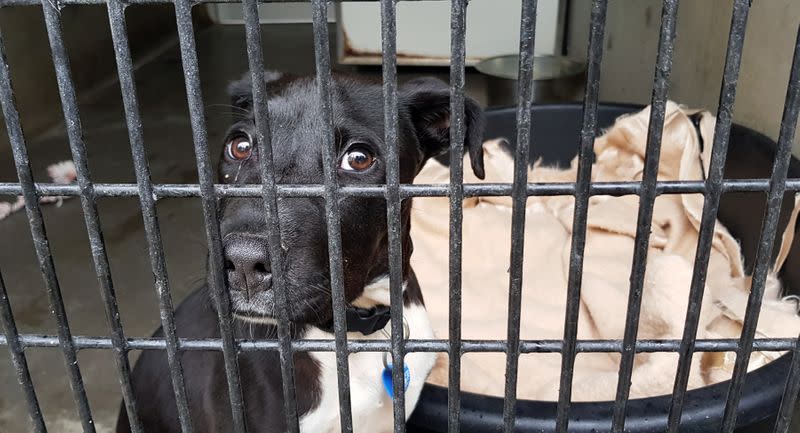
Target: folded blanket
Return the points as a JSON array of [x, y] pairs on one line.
[[611, 228]]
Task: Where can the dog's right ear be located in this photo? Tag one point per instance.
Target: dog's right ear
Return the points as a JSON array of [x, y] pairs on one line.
[[241, 90]]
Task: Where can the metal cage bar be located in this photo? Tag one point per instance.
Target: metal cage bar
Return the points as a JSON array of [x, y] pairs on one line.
[[468, 346], [116, 14], [333, 216], [647, 197], [264, 139], [790, 394], [614, 189], [581, 212], [713, 187], [15, 346], [521, 150], [716, 171], [393, 207], [218, 289], [39, 235], [769, 231], [789, 398], [458, 24], [89, 207], [19, 361]]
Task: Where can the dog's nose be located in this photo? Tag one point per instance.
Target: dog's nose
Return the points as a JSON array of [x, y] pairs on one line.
[[247, 263]]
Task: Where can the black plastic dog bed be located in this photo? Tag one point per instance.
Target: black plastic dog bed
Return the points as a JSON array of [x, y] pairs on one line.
[[555, 140]]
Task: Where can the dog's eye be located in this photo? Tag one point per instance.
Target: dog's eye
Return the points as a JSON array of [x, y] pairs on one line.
[[357, 158], [239, 149]]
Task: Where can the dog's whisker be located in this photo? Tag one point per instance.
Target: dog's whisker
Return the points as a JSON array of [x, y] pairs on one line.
[[316, 311], [238, 170], [233, 107]]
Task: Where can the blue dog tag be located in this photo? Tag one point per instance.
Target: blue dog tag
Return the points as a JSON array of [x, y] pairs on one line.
[[387, 379]]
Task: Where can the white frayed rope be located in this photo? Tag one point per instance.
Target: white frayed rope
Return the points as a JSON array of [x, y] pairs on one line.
[[62, 173]]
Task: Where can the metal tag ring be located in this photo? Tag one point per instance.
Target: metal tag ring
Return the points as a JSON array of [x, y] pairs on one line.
[[406, 334]]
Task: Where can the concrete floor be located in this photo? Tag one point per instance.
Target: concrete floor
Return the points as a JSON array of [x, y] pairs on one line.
[[167, 133]]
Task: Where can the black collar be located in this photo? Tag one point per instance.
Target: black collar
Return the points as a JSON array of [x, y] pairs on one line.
[[364, 320]]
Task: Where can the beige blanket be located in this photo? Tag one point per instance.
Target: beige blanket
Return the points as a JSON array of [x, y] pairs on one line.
[[607, 263]]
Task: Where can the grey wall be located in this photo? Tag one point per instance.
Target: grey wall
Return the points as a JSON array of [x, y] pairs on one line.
[[88, 40], [630, 51]]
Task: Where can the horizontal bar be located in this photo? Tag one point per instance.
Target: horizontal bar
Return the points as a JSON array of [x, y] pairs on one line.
[[406, 191], [468, 346], [4, 3]]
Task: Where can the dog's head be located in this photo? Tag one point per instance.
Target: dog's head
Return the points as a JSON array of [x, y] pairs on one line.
[[297, 131]]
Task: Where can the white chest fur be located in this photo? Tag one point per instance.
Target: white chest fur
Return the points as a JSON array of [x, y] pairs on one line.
[[371, 406]]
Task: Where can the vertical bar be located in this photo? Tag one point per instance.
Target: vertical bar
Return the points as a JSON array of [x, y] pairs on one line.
[[264, 140], [708, 221], [36, 221], [333, 218], [219, 292], [519, 197], [583, 182], [17, 352], [458, 24], [769, 230], [647, 196], [389, 38], [89, 206], [15, 347], [789, 399], [119, 35]]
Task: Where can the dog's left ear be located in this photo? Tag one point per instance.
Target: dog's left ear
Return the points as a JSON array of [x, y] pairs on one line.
[[241, 90], [428, 103]]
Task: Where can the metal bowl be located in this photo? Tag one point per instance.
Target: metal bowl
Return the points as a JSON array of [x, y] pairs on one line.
[[555, 79]]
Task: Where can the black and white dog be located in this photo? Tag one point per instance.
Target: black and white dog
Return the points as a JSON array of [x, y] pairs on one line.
[[297, 128]]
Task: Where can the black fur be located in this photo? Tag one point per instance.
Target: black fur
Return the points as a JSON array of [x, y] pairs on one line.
[[296, 130]]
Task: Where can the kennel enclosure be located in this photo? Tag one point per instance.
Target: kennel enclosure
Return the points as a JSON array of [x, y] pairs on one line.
[[526, 126]]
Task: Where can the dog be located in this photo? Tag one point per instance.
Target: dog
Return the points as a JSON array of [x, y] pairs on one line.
[[297, 135]]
